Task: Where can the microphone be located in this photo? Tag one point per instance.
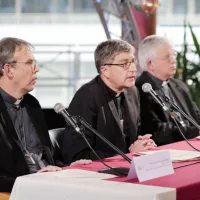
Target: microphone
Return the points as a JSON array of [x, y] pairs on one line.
[[147, 88], [60, 109]]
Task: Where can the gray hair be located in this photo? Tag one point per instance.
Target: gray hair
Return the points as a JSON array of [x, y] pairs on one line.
[[148, 47], [8, 48], [106, 51]]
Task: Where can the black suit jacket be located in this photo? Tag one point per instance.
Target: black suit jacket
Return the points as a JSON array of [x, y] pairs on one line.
[[93, 103], [155, 121], [12, 160]]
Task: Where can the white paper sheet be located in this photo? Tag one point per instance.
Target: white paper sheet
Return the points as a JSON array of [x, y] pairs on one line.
[[177, 155]]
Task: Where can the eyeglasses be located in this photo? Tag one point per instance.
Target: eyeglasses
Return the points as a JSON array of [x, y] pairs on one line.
[[31, 63], [169, 57], [125, 65]]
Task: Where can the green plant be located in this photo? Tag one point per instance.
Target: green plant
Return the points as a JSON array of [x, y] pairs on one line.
[[188, 64]]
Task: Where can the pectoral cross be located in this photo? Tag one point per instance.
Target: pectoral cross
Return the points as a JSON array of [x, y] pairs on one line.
[[30, 157]]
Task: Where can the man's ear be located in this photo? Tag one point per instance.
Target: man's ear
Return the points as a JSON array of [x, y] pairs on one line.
[[150, 65], [104, 71], [8, 71]]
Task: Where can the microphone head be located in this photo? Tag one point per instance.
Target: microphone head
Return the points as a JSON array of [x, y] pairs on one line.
[[59, 107], [146, 87]]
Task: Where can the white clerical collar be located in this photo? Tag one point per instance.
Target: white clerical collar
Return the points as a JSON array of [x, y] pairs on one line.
[[17, 102], [165, 83]]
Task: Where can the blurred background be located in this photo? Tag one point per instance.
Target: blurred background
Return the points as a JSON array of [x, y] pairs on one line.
[[66, 32]]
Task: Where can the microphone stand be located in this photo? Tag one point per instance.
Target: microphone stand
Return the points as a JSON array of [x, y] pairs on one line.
[[176, 108], [71, 121], [115, 171], [89, 127]]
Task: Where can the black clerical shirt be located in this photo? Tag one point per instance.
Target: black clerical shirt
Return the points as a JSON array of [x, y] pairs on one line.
[[120, 103], [26, 132]]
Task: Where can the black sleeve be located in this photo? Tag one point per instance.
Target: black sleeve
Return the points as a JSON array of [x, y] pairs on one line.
[[53, 157], [7, 177], [194, 106], [74, 148], [6, 183]]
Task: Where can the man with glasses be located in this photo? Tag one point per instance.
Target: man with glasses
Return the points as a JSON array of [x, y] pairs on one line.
[[25, 146], [110, 104], [158, 60]]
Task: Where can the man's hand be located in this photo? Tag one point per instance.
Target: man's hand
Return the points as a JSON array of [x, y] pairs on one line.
[[142, 143], [50, 168], [81, 162], [143, 137], [147, 137]]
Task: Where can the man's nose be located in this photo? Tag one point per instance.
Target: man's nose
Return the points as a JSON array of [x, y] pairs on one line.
[[36, 68], [173, 59], [133, 67]]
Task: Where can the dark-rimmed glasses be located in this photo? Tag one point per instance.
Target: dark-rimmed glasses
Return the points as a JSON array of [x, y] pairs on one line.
[[125, 65]]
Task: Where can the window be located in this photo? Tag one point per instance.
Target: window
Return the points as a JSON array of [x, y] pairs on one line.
[[180, 6], [44, 6], [197, 7], [59, 6], [83, 6], [7, 6], [36, 6], [162, 7]]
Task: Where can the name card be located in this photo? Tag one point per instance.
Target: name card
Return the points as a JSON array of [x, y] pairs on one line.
[[151, 166]]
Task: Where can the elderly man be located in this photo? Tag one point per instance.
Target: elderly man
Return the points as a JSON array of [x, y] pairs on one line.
[[25, 146], [110, 104], [158, 60]]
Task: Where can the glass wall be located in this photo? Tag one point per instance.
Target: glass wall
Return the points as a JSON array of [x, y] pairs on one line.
[[62, 72], [66, 32]]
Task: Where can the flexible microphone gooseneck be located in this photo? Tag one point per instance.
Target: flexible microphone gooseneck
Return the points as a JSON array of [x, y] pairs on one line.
[[60, 109], [147, 88], [175, 121], [177, 108], [89, 127]]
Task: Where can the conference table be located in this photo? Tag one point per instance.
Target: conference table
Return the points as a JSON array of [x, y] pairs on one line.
[[184, 184]]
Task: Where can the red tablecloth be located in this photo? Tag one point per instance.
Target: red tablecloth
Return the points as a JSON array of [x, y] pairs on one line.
[[186, 179]]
